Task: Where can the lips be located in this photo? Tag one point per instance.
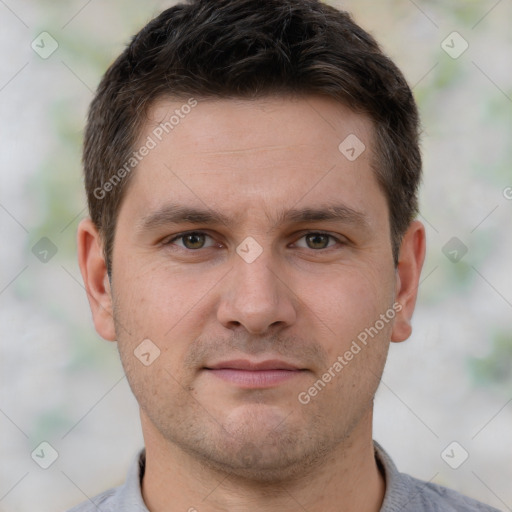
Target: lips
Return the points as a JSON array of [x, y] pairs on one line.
[[250, 374], [244, 364]]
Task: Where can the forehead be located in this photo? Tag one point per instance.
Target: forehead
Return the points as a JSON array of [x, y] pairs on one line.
[[313, 121], [239, 154]]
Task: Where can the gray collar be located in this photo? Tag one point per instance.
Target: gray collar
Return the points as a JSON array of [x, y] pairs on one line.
[[130, 494], [403, 492]]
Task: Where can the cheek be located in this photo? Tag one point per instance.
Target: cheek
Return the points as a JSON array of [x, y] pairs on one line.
[[169, 308], [347, 302], [160, 300], [346, 312], [154, 318]]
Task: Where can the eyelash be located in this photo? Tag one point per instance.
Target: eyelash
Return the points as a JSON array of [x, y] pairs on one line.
[[182, 235]]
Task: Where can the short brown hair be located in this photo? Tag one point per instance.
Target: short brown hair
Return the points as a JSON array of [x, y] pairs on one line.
[[248, 49]]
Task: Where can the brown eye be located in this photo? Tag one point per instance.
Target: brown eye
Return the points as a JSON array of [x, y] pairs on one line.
[[193, 240], [318, 241]]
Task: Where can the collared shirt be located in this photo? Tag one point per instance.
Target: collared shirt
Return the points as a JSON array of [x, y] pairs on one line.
[[403, 493]]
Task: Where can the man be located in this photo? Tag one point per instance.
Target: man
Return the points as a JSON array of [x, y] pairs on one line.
[[252, 172]]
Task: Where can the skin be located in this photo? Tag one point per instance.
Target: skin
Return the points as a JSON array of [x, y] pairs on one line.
[[212, 444]]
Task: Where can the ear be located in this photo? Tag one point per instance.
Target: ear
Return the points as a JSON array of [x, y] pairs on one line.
[[410, 263], [94, 273]]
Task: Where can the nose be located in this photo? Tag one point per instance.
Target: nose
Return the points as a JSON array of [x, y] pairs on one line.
[[256, 297]]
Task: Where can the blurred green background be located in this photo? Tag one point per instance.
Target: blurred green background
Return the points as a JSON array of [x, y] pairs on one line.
[[452, 381]]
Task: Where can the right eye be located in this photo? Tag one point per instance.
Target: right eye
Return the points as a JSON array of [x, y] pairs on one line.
[[191, 240]]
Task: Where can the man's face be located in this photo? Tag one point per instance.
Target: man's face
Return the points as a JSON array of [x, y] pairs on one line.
[[263, 286]]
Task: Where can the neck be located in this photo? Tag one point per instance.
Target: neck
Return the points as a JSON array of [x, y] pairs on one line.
[[348, 480]]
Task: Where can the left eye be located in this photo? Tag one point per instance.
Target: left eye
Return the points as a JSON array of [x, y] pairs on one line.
[[318, 240]]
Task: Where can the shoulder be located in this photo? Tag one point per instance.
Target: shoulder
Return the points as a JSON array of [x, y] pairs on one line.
[[106, 502], [404, 493], [430, 497], [125, 498]]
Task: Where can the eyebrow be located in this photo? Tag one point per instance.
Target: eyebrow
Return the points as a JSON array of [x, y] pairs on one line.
[[179, 214]]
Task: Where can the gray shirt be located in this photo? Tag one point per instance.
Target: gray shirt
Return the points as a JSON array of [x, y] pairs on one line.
[[403, 493]]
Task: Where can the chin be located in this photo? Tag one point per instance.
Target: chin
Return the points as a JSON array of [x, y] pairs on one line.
[[262, 452], [265, 465]]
